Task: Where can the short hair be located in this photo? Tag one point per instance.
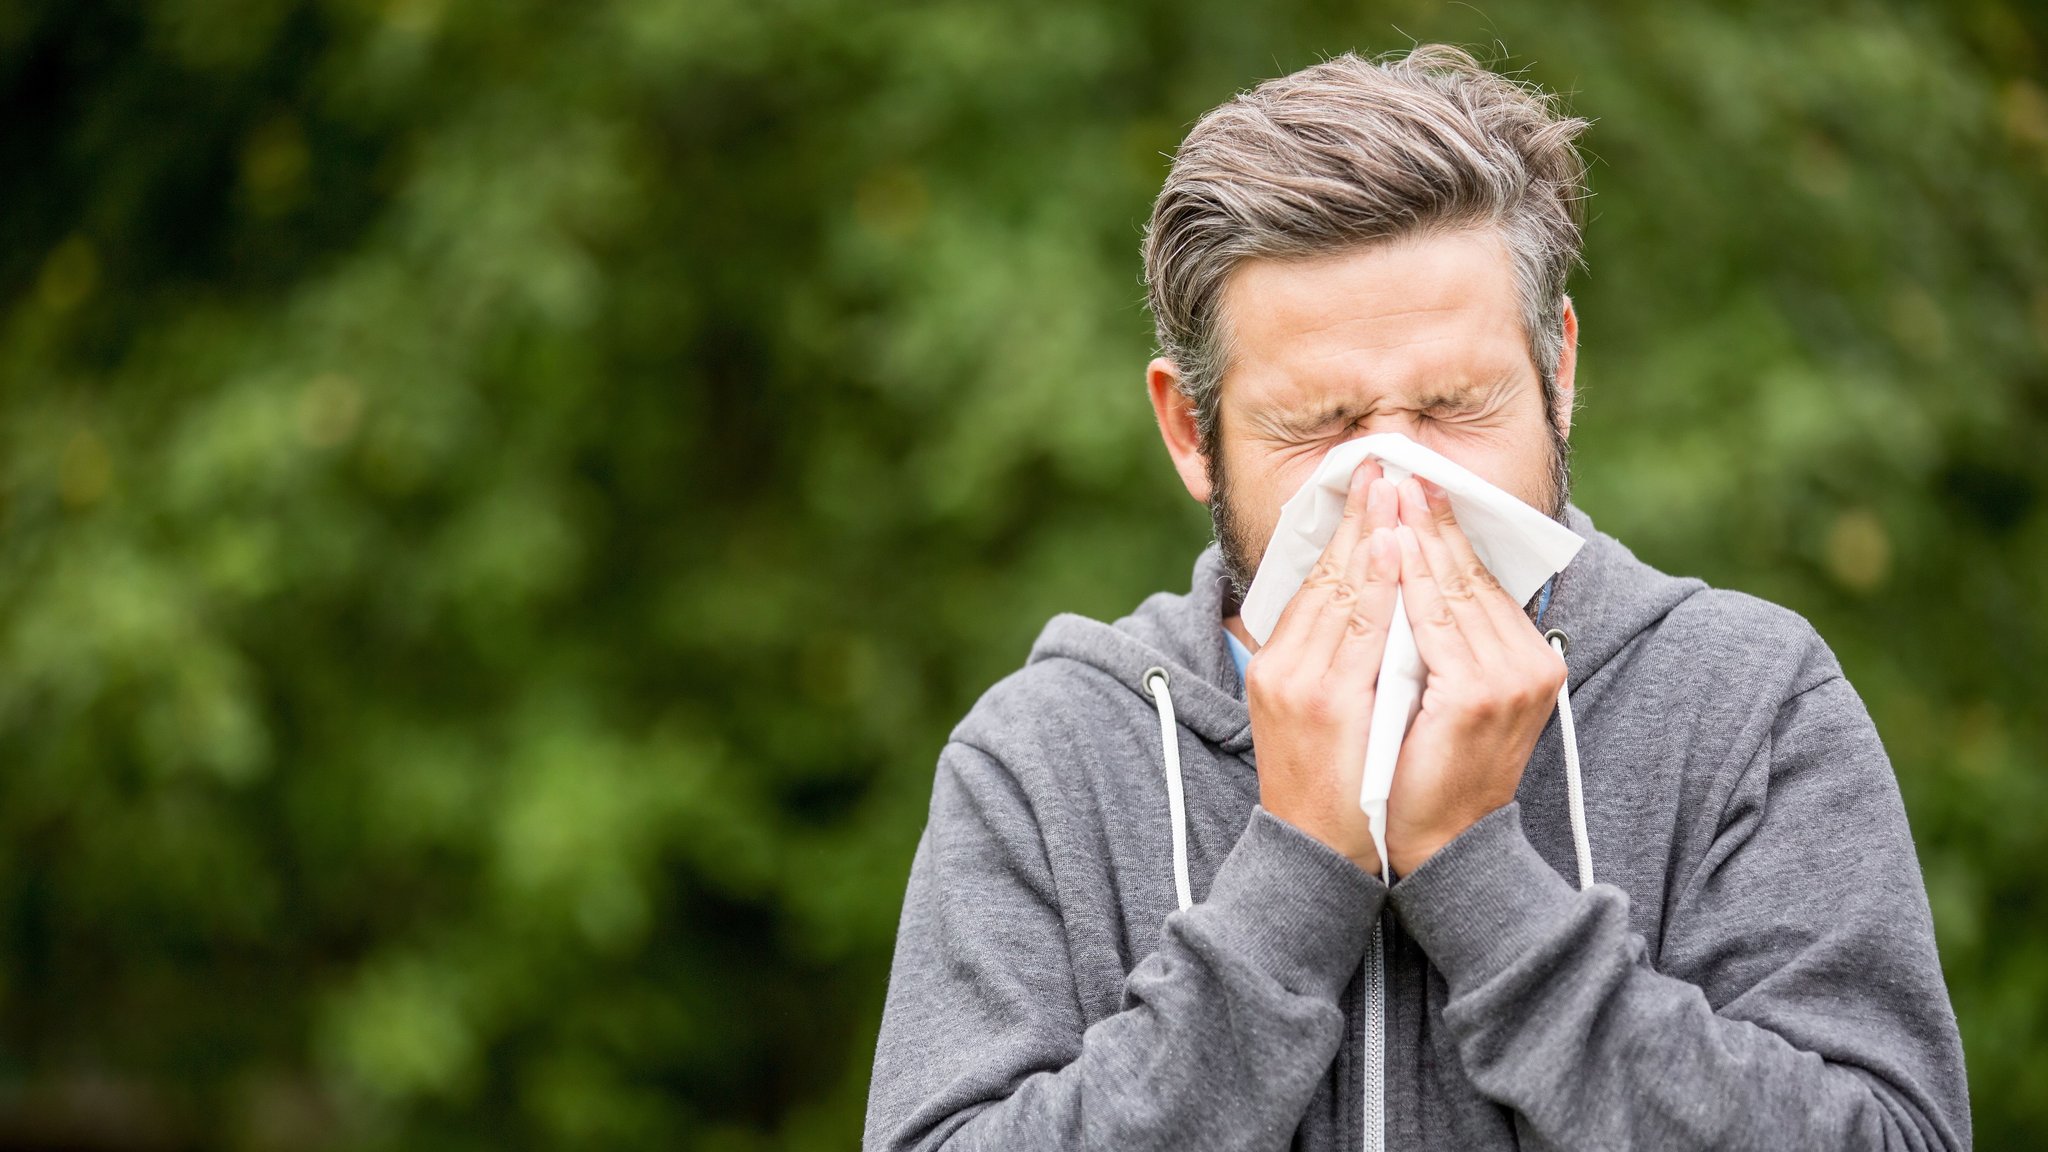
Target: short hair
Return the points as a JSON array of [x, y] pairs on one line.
[[1350, 152]]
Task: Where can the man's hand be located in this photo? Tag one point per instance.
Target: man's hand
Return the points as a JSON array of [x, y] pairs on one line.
[[1310, 686], [1492, 683]]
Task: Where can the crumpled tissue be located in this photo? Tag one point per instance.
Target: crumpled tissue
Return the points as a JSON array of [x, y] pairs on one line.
[[1520, 545]]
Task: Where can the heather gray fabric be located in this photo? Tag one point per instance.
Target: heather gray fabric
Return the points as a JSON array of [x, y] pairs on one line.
[[1755, 967]]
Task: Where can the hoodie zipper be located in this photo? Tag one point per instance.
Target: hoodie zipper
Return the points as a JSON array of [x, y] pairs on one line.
[[1375, 1094]]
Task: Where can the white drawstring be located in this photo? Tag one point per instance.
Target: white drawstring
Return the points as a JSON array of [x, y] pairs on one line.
[[1169, 742], [1575, 788]]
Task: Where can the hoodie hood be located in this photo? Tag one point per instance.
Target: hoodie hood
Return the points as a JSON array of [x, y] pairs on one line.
[[1601, 600]]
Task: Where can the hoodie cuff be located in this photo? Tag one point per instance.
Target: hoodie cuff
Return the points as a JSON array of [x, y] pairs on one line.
[[1484, 899], [1294, 906]]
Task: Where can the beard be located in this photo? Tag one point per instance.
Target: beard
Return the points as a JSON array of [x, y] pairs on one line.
[[1241, 557]]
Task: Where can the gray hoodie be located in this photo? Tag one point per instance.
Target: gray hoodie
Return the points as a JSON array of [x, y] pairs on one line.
[[1753, 967]]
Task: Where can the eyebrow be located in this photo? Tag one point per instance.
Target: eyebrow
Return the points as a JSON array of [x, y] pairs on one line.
[[1301, 423]]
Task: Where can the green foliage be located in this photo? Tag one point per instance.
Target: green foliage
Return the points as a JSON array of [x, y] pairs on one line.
[[503, 501]]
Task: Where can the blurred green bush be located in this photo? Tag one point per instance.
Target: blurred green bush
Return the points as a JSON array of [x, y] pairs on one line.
[[503, 501]]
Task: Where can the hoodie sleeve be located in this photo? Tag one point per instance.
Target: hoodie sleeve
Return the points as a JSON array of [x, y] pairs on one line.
[[1796, 1000], [1222, 1035]]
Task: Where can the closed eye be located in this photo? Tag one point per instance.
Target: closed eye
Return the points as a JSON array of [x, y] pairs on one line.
[[1452, 412]]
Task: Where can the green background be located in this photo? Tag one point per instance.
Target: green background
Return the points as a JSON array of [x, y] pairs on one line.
[[503, 501]]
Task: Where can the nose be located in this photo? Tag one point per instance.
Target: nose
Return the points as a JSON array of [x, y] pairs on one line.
[[1408, 424]]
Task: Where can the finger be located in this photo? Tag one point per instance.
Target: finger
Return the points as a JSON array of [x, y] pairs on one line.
[[1318, 650], [1508, 617], [1357, 659], [1381, 514], [1299, 618], [1355, 522], [1382, 510], [1515, 643], [1437, 637], [1385, 513], [1460, 595], [1511, 649]]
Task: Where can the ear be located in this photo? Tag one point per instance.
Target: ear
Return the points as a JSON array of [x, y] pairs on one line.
[[1176, 415], [1567, 369]]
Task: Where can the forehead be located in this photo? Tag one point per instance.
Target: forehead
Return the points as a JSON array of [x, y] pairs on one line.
[[1411, 316]]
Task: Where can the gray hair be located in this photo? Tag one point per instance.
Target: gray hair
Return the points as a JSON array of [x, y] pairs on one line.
[[1350, 152]]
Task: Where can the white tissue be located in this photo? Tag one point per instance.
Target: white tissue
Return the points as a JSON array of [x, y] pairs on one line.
[[1519, 545]]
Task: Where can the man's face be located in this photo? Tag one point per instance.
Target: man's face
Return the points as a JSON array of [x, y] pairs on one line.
[[1420, 336]]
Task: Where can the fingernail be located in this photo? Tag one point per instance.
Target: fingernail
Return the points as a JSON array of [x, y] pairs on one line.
[[1377, 549], [1406, 532], [1377, 498], [1358, 479]]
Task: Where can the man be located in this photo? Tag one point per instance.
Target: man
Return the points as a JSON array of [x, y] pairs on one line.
[[1357, 248]]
